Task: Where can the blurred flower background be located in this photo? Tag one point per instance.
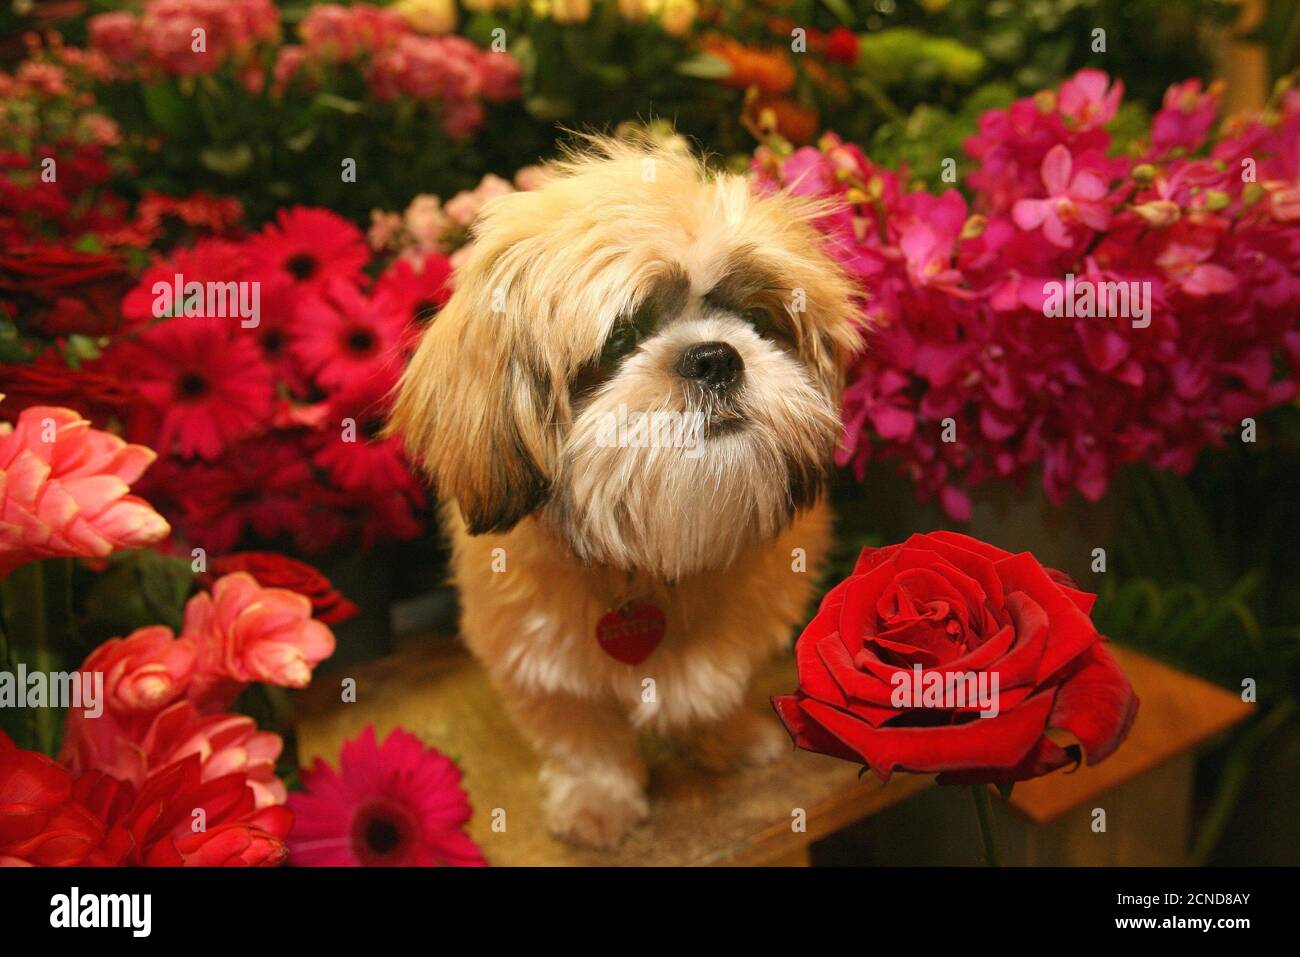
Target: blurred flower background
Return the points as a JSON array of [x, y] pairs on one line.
[[338, 155]]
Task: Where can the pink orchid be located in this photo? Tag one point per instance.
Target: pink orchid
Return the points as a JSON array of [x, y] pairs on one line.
[[1185, 116], [1185, 264], [927, 241], [64, 490], [1089, 99], [243, 633], [1069, 399], [1070, 200]]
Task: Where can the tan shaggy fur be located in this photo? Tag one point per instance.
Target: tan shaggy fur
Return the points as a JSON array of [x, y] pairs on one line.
[[504, 401]]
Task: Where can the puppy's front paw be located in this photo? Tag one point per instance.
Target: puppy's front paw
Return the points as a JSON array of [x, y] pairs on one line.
[[745, 739], [595, 809]]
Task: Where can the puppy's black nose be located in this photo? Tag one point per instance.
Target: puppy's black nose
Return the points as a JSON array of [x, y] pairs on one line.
[[714, 364]]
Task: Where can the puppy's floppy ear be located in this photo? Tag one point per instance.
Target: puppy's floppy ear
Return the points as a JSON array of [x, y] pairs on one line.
[[474, 404]]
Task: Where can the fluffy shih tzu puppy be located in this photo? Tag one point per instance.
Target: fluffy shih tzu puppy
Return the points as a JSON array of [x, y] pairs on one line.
[[628, 407]]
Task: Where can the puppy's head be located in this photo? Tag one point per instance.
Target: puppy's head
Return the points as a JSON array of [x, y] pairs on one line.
[[646, 355]]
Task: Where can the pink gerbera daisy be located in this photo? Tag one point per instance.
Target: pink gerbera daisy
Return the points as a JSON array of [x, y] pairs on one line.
[[394, 804], [342, 337], [203, 385], [310, 247]]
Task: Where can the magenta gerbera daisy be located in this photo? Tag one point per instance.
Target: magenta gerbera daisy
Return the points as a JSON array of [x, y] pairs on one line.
[[204, 385], [362, 457], [342, 337], [417, 293], [310, 247], [396, 804]]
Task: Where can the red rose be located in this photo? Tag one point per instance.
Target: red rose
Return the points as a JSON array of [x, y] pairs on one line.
[[842, 46], [273, 570], [63, 291], [49, 380], [894, 668]]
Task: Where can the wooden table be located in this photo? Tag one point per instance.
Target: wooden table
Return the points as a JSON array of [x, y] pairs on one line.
[[695, 817], [746, 818]]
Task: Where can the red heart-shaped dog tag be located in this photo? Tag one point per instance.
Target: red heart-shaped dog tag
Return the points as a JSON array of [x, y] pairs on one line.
[[631, 633]]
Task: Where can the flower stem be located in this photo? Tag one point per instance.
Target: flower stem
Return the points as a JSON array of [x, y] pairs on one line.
[[980, 794]]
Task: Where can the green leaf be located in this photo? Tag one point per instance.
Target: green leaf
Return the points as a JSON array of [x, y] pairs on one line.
[[548, 108], [704, 66], [843, 12], [166, 107], [342, 104], [88, 243], [80, 348], [232, 161], [297, 142]]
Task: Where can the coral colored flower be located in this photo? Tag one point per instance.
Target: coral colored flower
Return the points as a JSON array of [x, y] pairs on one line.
[[144, 671], [769, 70], [64, 490], [131, 750], [273, 570], [310, 247], [342, 337], [1070, 200], [389, 805], [225, 744], [243, 632], [203, 382], [336, 33], [944, 605]]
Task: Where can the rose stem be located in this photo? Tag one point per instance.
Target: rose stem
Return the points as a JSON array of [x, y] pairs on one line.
[[980, 793]]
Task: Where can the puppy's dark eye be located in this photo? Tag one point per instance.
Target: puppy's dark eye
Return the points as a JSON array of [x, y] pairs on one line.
[[761, 319], [623, 339]]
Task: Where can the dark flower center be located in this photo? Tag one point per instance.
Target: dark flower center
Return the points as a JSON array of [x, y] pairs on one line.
[[422, 307], [382, 837], [361, 341], [383, 834], [301, 265], [273, 341], [191, 386]]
